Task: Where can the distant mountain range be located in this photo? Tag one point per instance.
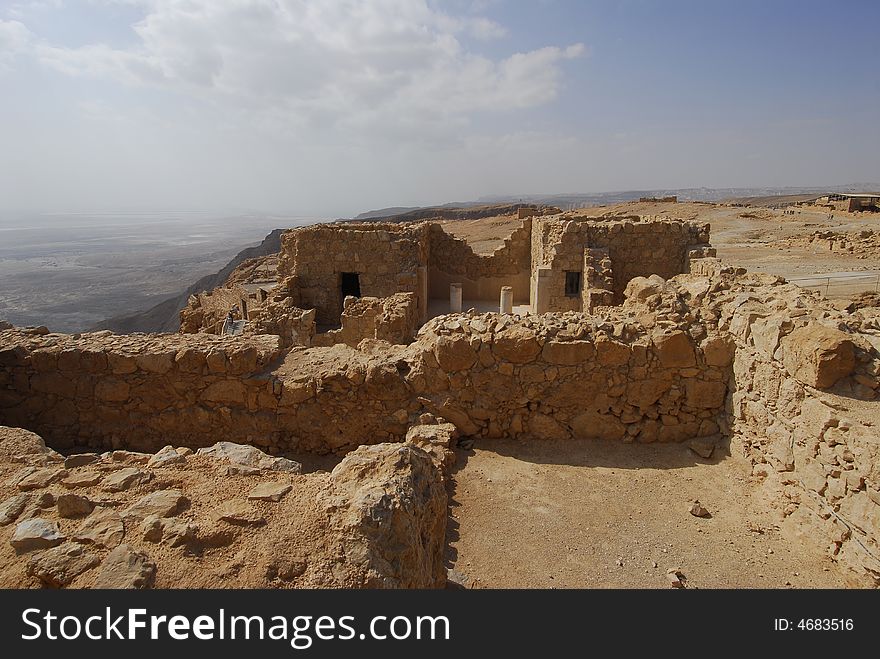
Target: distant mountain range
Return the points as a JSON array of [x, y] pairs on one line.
[[586, 199]]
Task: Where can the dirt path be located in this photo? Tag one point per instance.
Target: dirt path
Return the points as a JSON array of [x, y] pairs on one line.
[[603, 515]]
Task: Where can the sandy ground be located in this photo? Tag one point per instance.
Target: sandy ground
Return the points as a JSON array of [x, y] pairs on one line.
[[587, 514]]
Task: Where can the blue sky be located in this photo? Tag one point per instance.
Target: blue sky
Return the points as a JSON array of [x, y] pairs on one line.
[[336, 106]]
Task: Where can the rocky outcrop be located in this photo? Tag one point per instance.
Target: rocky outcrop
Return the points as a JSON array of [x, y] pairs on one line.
[[387, 508], [227, 516]]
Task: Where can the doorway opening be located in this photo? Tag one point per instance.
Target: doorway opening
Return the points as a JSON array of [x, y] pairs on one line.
[[350, 284]]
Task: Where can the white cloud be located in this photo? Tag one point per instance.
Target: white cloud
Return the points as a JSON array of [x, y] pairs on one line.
[[340, 63], [14, 37]]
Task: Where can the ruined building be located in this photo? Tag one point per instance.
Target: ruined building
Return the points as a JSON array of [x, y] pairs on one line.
[[405, 274]]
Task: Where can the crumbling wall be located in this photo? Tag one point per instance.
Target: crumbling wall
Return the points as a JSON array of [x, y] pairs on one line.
[[636, 247], [570, 375], [804, 397], [388, 258], [393, 319], [452, 260]]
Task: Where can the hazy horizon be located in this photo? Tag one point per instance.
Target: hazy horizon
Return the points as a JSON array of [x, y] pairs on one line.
[[334, 108]]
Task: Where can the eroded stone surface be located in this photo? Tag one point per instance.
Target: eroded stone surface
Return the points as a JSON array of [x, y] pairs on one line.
[[36, 533]]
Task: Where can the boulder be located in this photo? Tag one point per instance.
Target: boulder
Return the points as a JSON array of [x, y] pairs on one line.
[[818, 356], [641, 288], [388, 502]]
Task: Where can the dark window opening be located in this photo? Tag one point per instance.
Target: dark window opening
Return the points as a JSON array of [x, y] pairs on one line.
[[572, 283], [350, 284]]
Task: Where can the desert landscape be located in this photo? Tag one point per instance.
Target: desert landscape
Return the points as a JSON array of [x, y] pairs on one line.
[[438, 402], [303, 300]]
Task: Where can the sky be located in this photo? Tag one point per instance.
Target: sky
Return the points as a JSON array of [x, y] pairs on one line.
[[333, 107]]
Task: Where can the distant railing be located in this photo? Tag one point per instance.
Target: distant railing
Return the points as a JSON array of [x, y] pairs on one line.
[[825, 282]]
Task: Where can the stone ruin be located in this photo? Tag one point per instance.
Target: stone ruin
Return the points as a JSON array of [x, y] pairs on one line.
[[661, 343], [409, 273]]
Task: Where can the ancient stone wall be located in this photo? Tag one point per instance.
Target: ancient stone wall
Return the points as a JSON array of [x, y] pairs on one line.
[[388, 259], [133, 390], [452, 260], [570, 375], [636, 247], [490, 375]]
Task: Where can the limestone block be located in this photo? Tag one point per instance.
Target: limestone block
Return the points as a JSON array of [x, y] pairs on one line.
[[718, 350], [674, 349], [566, 353], [818, 356], [454, 353], [593, 425], [611, 353], [702, 394], [516, 344]]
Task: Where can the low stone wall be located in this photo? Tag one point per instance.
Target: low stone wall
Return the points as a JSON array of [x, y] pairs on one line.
[[394, 319], [490, 375], [570, 375], [111, 391]]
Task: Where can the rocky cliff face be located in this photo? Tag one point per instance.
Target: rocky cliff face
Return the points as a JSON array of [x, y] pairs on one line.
[[164, 317]]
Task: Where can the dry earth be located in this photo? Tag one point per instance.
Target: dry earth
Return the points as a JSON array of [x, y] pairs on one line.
[[591, 514]]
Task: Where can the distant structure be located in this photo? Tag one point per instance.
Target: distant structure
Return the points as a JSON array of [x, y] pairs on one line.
[[670, 199], [851, 202], [343, 282]]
